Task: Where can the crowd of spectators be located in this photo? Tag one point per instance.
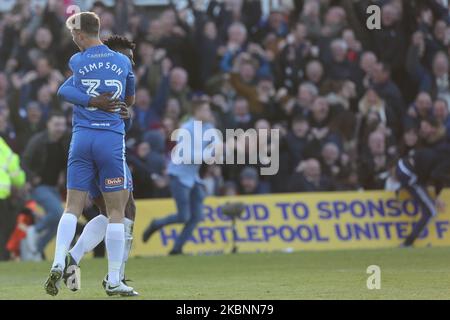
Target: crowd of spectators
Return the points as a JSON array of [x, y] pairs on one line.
[[348, 101]]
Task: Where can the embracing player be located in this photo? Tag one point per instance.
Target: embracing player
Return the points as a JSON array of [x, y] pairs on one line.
[[97, 149], [95, 230]]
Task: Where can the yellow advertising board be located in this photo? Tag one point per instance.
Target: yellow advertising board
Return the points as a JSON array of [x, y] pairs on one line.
[[293, 222]]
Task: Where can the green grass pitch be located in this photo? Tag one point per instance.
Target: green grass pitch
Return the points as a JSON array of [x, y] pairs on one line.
[[405, 274]]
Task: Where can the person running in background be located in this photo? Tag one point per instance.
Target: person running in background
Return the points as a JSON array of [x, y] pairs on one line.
[[415, 173], [185, 183]]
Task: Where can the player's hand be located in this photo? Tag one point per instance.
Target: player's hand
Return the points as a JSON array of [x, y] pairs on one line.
[[104, 102], [124, 112]]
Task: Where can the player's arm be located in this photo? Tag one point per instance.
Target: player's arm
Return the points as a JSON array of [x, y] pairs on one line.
[[68, 90], [70, 93], [130, 100], [125, 114], [130, 88]]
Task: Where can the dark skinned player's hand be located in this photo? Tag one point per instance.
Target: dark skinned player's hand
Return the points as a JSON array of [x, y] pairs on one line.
[[124, 111], [104, 102]]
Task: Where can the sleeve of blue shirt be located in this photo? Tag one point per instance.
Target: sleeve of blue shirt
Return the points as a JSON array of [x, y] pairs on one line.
[[70, 93], [73, 60], [131, 85]]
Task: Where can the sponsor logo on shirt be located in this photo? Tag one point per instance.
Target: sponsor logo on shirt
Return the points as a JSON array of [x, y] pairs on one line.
[[114, 182], [103, 124], [100, 55]]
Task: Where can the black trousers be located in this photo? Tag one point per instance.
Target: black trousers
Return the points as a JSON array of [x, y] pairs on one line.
[[408, 179], [7, 223]]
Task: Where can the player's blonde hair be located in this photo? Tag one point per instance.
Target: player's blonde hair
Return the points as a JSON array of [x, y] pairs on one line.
[[86, 22]]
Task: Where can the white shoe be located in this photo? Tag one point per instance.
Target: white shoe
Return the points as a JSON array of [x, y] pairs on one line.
[[120, 289], [53, 282], [72, 274]]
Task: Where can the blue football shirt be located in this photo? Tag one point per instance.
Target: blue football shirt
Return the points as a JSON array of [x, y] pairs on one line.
[[188, 173], [99, 70]]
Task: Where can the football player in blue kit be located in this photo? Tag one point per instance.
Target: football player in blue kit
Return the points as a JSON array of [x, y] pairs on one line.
[[97, 149], [95, 230]]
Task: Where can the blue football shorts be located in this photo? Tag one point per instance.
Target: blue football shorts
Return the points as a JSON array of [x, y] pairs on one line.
[[97, 157], [94, 189]]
